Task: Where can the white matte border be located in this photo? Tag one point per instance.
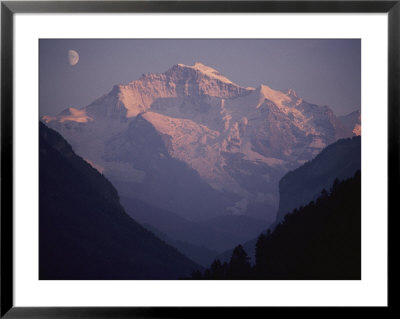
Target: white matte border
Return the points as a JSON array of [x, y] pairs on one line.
[[370, 291]]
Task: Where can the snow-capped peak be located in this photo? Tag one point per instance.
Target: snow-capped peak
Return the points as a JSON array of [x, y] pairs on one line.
[[209, 71], [292, 93], [279, 98]]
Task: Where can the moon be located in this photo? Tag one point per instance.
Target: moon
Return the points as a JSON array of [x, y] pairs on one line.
[[73, 57]]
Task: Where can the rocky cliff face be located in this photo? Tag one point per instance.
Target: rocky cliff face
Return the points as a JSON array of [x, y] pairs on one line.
[[191, 141]]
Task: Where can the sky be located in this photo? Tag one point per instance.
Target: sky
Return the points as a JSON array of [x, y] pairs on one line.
[[321, 71]]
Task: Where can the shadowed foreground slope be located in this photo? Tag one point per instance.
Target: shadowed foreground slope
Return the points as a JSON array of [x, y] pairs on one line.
[[84, 232], [320, 241], [298, 187]]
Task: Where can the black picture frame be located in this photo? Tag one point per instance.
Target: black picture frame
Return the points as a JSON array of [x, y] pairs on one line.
[[9, 8]]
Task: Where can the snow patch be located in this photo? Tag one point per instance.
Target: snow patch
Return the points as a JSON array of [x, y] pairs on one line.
[[357, 130], [74, 115], [250, 155]]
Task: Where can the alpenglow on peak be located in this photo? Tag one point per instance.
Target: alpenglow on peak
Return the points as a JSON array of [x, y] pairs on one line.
[[207, 70]]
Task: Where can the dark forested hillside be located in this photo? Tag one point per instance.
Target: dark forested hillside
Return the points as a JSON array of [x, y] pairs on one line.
[[321, 240], [304, 184], [84, 232]]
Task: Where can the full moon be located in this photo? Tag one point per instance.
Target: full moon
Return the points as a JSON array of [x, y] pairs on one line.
[[73, 57]]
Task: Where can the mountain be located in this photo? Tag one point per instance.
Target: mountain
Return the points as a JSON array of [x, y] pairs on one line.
[[193, 142], [340, 160], [352, 121], [84, 233]]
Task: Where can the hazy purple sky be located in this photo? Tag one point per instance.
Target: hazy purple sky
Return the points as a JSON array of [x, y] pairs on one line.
[[325, 72]]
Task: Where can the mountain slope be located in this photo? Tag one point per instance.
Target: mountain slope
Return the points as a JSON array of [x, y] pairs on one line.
[[84, 232], [339, 160], [170, 183], [321, 240]]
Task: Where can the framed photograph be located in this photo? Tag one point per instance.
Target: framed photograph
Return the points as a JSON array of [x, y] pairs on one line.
[[183, 158]]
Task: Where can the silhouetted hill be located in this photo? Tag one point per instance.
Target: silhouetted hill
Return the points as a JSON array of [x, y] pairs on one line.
[[320, 241], [84, 233]]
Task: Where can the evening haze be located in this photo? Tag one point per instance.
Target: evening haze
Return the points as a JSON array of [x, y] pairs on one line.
[[324, 72], [201, 159]]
